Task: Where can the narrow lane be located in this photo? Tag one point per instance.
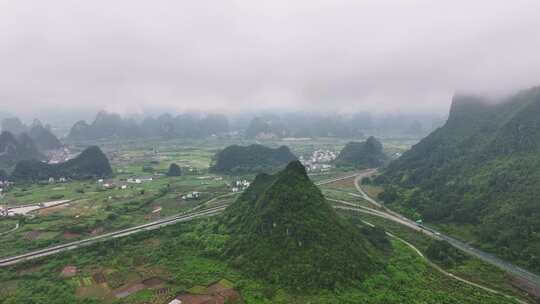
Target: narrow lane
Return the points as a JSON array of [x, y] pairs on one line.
[[484, 256], [192, 214], [117, 234]]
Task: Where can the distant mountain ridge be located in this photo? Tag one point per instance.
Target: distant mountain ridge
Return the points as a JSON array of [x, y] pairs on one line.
[[91, 163], [481, 168], [251, 159], [14, 149], [283, 230], [44, 139], [110, 125]]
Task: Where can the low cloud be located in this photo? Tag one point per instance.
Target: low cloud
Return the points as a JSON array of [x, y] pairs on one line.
[[131, 56]]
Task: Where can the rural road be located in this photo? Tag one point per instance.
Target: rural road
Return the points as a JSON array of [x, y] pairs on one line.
[[365, 210], [183, 217], [381, 211], [117, 234], [516, 271], [11, 230]]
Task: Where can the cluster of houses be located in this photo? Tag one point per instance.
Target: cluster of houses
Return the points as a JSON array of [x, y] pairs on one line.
[[112, 185], [59, 155], [53, 180], [4, 185], [191, 196], [4, 211], [319, 161], [240, 185]]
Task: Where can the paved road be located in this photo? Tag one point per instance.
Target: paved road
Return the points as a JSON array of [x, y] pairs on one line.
[[187, 216], [117, 234], [484, 256], [351, 207], [335, 179]]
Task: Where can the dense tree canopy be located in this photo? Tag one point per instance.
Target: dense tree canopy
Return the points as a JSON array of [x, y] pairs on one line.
[[361, 155], [91, 163], [251, 159], [174, 170], [14, 149], [283, 230], [481, 168]]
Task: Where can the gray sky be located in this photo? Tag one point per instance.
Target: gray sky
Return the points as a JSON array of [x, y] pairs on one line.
[[128, 56]]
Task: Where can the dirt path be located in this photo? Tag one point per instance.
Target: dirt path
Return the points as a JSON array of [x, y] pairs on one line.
[[9, 231]]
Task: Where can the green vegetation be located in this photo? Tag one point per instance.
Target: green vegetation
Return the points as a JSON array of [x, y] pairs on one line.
[[283, 230], [251, 159], [189, 256], [480, 170], [14, 149], [186, 255], [443, 253], [362, 155], [43, 137], [464, 266], [174, 170], [91, 163]]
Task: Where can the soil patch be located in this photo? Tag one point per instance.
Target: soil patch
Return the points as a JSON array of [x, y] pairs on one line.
[[97, 231], [69, 271], [344, 184], [154, 282], [99, 278], [127, 290], [218, 293], [49, 210], [526, 286], [32, 235], [70, 235]]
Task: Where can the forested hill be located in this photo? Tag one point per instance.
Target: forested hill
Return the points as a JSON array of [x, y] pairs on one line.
[[16, 148], [44, 138], [251, 159], [361, 155], [91, 163], [481, 168], [283, 230]]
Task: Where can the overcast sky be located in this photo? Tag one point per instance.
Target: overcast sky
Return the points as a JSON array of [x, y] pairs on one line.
[[128, 56]]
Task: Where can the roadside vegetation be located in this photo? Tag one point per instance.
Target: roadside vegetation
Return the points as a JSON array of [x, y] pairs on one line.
[[188, 256]]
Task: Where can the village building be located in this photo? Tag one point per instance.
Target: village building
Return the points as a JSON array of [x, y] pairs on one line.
[[191, 195]]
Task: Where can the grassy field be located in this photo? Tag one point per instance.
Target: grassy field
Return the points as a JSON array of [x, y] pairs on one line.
[[187, 256], [471, 268], [183, 256]]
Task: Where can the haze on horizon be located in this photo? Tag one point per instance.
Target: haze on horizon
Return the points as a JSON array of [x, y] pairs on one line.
[[378, 56]]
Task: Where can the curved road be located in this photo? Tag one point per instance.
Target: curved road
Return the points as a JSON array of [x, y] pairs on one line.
[[117, 234], [417, 251], [192, 214], [486, 257], [381, 212], [519, 272]]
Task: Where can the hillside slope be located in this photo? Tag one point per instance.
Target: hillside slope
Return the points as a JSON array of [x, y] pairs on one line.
[[283, 230], [362, 155], [481, 168], [91, 163], [43, 138], [14, 149]]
